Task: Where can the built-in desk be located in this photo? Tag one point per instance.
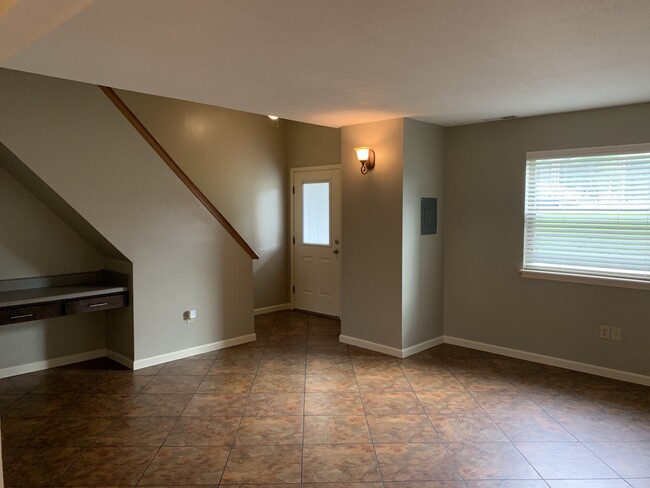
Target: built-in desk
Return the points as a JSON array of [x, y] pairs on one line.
[[40, 298]]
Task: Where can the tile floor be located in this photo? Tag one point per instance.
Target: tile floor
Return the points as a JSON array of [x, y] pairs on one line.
[[297, 407]]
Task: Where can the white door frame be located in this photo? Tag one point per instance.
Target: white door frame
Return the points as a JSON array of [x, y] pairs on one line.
[[292, 174]]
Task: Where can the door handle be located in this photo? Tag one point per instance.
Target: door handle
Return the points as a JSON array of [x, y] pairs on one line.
[[335, 251]]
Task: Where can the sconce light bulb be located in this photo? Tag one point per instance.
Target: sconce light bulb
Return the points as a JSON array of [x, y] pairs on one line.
[[366, 157], [362, 153]]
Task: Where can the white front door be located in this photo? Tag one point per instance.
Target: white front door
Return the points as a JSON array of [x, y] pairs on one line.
[[316, 240]]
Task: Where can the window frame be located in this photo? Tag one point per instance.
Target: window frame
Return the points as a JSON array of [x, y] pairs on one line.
[[568, 275]]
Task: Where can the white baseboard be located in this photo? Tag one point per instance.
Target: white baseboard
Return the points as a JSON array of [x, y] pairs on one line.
[[391, 351], [551, 361], [373, 346], [51, 363], [192, 351], [118, 358], [123, 360], [422, 346], [504, 351], [273, 308]]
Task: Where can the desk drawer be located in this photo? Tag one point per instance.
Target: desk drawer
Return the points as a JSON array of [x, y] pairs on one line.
[[95, 304], [14, 315]]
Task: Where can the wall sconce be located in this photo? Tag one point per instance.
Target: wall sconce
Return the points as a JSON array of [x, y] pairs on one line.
[[366, 157]]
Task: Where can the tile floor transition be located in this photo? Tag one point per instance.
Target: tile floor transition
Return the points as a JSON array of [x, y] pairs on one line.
[[298, 407]]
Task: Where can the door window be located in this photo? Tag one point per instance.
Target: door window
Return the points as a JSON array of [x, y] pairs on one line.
[[316, 213]]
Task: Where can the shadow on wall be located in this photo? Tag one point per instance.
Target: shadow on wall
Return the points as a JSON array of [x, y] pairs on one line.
[[238, 161], [75, 140], [271, 235]]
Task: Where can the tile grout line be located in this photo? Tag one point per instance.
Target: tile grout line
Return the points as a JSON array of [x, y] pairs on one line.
[[365, 414], [434, 427], [490, 417], [95, 407], [83, 449], [241, 417], [602, 460], [509, 440], [304, 405], [177, 418], [550, 415]]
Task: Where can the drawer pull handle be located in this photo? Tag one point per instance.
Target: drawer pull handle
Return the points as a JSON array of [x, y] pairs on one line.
[[97, 305], [23, 316]]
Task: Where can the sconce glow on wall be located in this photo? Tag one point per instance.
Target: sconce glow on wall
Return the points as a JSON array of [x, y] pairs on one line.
[[366, 157]]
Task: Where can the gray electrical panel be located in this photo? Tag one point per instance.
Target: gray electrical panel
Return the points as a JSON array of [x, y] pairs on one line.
[[429, 216]]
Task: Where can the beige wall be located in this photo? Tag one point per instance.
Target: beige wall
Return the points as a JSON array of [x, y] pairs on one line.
[[238, 160], [35, 242], [392, 276], [73, 138], [59, 207], [119, 322], [312, 145], [371, 247], [422, 256], [486, 299]]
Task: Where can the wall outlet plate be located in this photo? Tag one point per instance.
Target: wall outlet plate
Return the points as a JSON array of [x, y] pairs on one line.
[[604, 331], [189, 315], [616, 334]]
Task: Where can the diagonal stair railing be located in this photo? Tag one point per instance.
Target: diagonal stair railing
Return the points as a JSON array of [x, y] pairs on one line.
[[155, 145]]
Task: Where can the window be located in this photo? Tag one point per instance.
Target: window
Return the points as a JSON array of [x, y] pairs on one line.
[[316, 213], [587, 213]]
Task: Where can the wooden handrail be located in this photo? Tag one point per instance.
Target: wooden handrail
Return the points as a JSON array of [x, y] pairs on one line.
[[155, 145]]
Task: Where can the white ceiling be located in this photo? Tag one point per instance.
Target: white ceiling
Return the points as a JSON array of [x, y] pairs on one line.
[[342, 62]]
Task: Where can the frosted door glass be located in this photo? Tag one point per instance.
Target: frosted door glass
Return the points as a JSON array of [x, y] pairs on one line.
[[316, 213]]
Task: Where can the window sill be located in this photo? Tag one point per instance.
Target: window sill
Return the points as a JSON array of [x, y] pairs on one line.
[[586, 279]]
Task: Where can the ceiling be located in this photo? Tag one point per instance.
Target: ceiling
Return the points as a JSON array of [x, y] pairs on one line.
[[343, 62]]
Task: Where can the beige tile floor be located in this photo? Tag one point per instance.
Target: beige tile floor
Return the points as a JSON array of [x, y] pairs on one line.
[[297, 407]]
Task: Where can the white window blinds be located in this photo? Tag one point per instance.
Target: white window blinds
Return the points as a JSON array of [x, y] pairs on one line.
[[588, 212]]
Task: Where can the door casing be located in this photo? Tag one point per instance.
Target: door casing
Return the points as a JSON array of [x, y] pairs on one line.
[[292, 175]]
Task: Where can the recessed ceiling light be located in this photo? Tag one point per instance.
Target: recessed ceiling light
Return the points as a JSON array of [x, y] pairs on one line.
[[273, 117]]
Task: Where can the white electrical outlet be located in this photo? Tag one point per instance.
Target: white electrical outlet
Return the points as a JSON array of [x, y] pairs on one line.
[[616, 334], [189, 316], [604, 331]]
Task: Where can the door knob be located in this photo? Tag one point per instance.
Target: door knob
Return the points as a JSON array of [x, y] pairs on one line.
[[335, 251]]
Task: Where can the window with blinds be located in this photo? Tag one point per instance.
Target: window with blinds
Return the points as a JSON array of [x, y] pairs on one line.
[[587, 212]]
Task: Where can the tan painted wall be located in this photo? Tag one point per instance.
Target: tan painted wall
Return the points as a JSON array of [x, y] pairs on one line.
[[81, 146], [312, 145], [422, 256], [238, 160], [59, 207], [119, 322], [371, 247], [486, 299], [35, 242]]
